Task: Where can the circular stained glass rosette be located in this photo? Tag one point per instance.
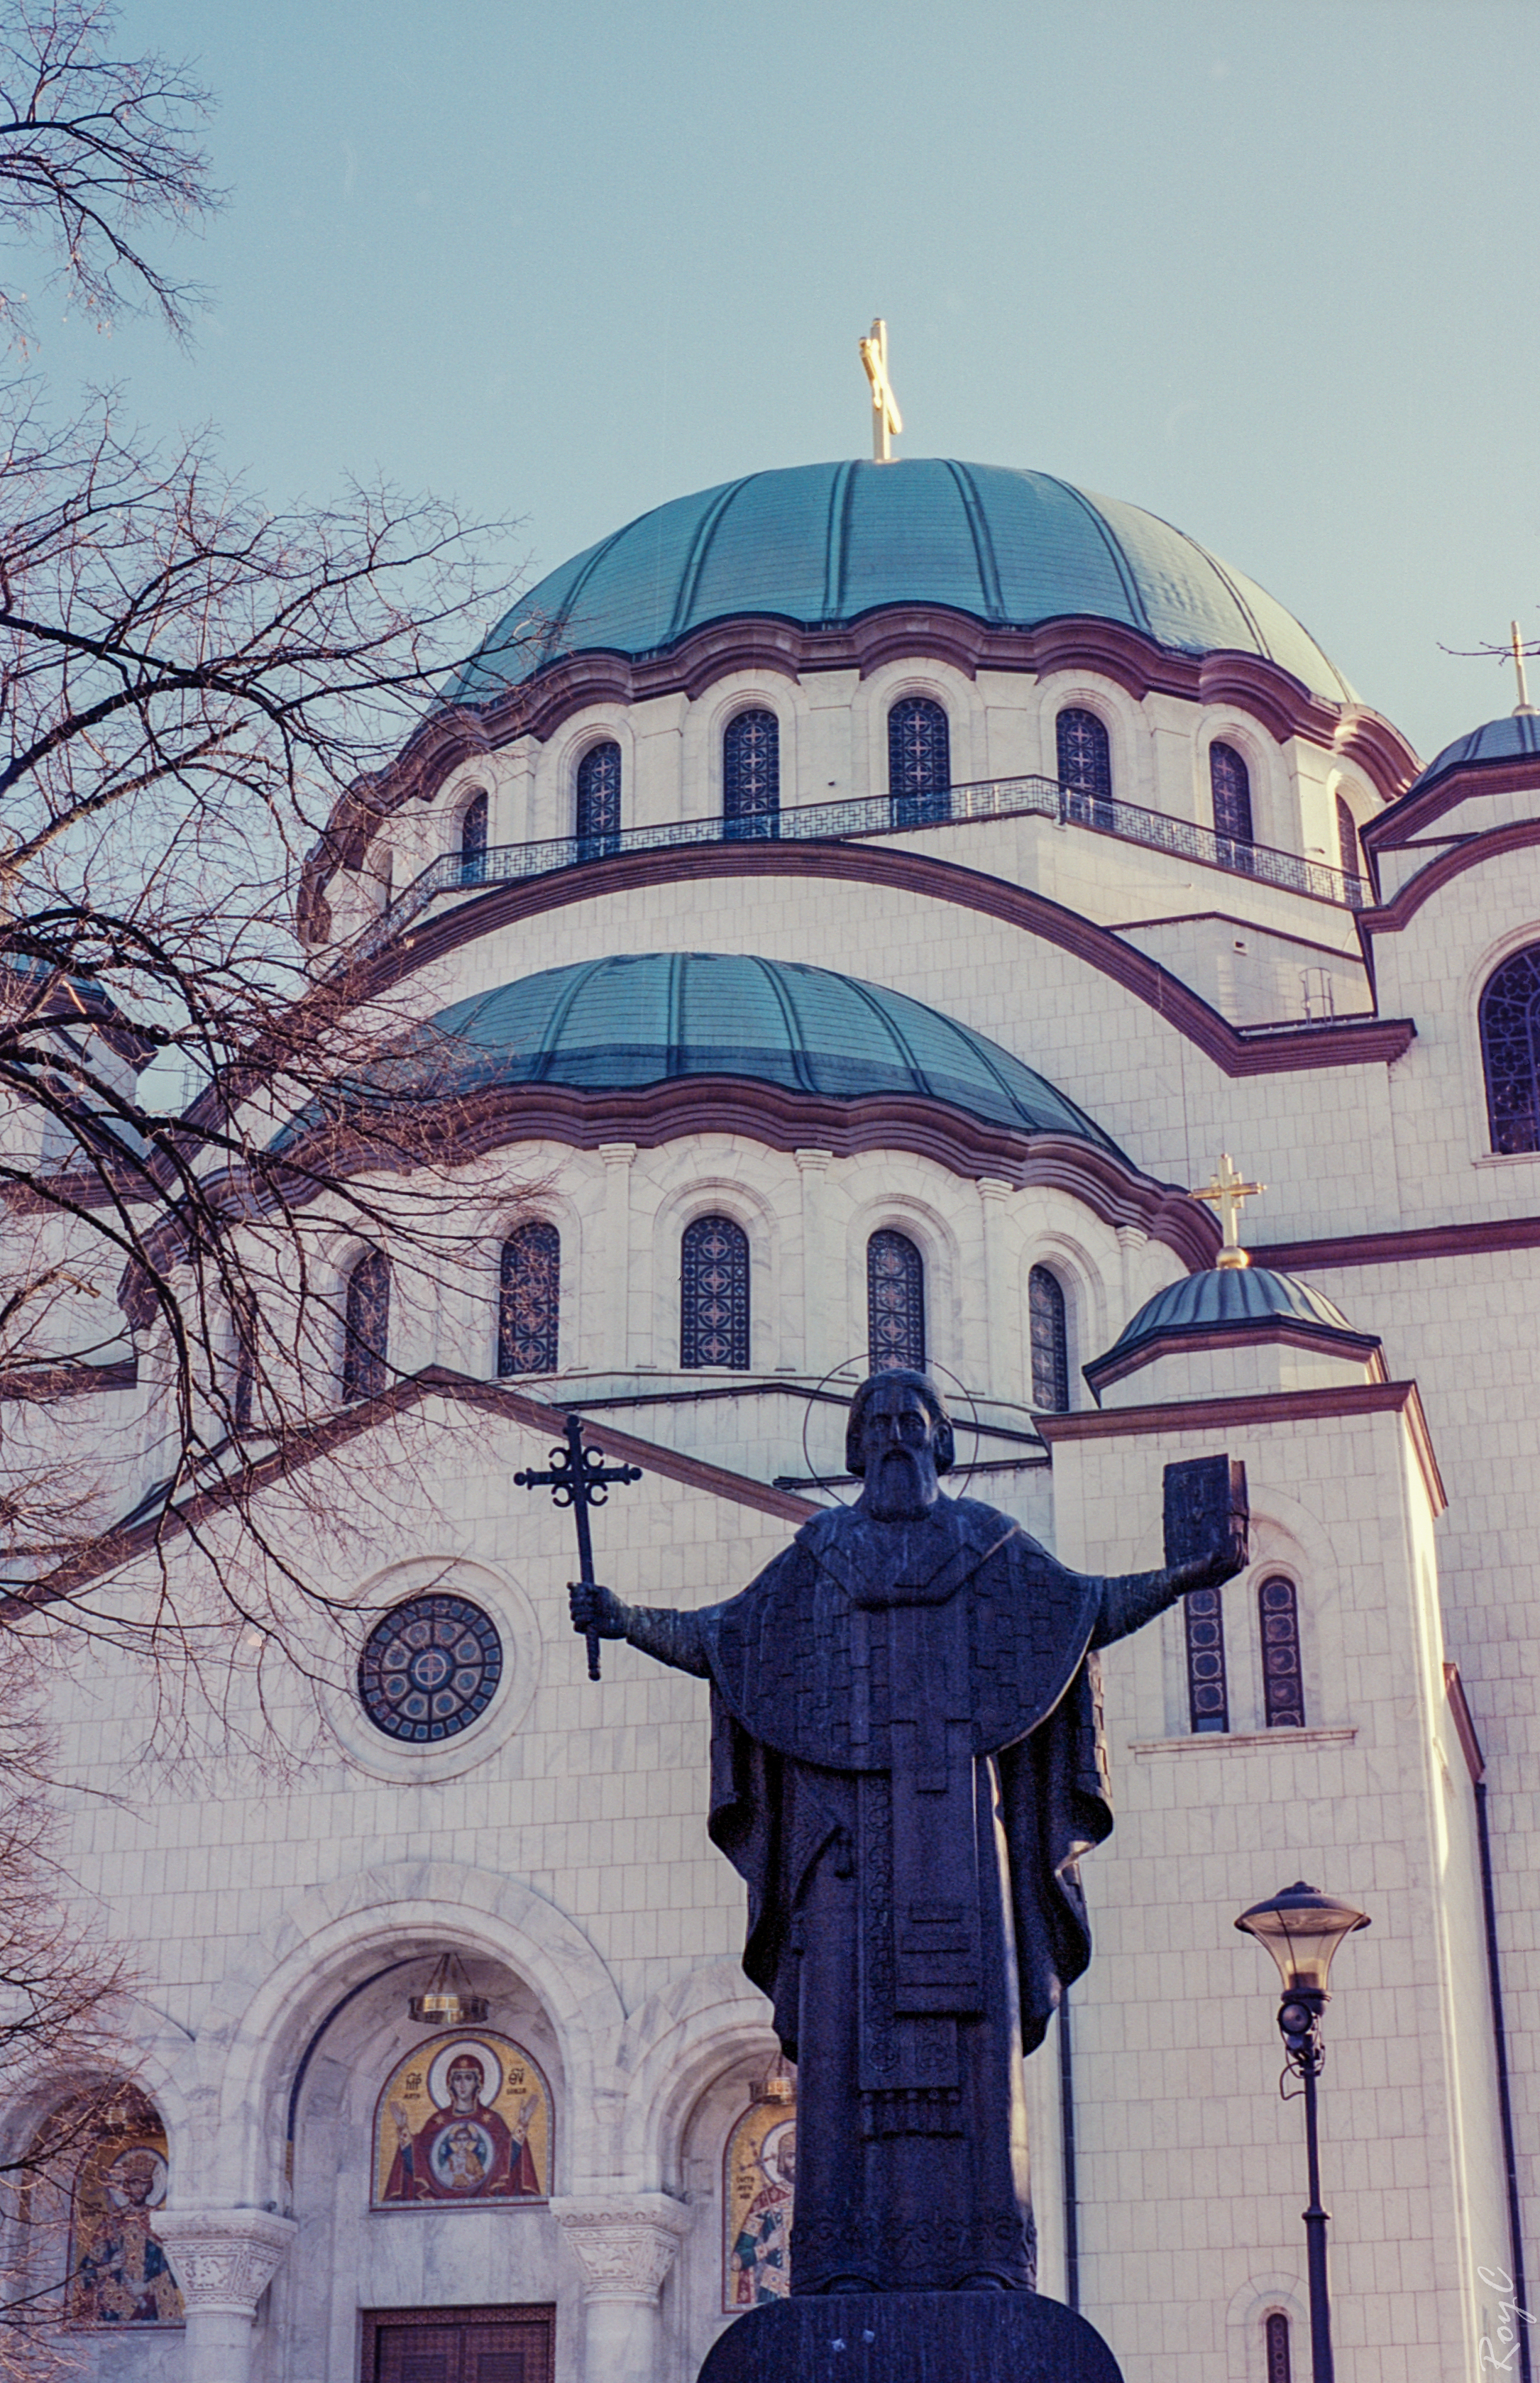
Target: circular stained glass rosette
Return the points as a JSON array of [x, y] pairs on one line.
[[429, 1669]]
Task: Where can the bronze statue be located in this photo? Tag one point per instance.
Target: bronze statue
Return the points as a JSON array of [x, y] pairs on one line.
[[906, 1764]]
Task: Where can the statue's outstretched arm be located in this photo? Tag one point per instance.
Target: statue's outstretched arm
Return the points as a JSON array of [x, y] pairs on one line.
[[673, 1639], [1132, 1599]]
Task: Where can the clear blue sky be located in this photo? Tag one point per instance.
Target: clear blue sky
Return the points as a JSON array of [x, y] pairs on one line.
[[1261, 265]]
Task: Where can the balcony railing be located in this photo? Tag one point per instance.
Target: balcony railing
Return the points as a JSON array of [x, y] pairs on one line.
[[869, 815]]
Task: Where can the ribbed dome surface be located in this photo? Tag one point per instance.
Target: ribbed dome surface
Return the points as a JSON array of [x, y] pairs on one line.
[[821, 543], [645, 1018], [1226, 1296], [1512, 737]]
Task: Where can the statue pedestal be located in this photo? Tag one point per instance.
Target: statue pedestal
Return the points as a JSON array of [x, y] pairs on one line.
[[912, 2337]]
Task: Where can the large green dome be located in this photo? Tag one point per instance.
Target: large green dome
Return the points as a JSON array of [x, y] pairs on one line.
[[615, 1024], [822, 543]]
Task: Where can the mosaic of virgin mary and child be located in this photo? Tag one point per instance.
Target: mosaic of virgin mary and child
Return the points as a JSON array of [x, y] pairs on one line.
[[466, 2121]]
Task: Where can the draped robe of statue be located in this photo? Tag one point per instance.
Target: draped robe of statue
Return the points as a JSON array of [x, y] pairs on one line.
[[906, 1762]]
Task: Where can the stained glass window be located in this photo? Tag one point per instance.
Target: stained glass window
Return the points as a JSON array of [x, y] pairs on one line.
[[713, 1325], [1282, 1687], [1085, 766], [1346, 839], [529, 1299], [1049, 1342], [429, 1668], [598, 801], [919, 761], [472, 838], [1207, 1690], [1279, 2369], [751, 775], [1510, 1051], [895, 1303], [1230, 782], [366, 1327]]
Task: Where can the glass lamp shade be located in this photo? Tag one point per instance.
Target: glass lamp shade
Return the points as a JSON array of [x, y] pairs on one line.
[[448, 2001], [1302, 1928]]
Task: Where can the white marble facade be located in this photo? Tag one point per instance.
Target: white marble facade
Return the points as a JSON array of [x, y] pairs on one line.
[[279, 1915]]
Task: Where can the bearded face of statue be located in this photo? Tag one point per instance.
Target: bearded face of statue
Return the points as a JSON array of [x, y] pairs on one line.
[[898, 1451]]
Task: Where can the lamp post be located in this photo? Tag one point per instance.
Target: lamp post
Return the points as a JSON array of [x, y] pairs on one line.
[[1302, 1928]]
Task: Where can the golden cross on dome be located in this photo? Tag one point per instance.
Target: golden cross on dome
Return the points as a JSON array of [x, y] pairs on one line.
[[1226, 1191], [886, 419], [1523, 703]]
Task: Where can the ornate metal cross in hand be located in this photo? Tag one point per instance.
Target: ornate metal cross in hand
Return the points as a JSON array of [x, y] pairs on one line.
[[579, 1478]]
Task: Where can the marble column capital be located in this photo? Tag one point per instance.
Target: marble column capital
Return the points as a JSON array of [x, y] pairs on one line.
[[624, 2242], [224, 2259]]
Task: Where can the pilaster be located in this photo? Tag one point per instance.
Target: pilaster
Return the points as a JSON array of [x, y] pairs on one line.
[[625, 2244]]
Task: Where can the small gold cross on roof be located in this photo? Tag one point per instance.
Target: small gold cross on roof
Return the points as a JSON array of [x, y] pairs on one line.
[[1226, 1191], [886, 419]]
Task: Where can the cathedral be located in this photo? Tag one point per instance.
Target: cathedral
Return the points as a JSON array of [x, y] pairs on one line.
[[896, 913]]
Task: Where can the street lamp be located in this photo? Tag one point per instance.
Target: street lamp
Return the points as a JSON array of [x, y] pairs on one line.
[[1302, 1928]]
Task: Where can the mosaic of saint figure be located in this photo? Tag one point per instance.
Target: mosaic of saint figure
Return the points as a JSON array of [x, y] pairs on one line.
[[464, 2120], [759, 2186], [905, 1766], [119, 2273]]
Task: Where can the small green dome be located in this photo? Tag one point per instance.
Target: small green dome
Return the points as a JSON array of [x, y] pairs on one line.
[[1222, 1302], [820, 544]]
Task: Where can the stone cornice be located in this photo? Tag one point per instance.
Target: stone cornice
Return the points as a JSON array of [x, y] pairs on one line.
[[1255, 1410], [1466, 782], [1345, 1043], [1472, 852], [1406, 1246], [1277, 700]]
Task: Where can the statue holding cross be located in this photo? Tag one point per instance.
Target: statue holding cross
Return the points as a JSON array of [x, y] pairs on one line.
[[906, 1765]]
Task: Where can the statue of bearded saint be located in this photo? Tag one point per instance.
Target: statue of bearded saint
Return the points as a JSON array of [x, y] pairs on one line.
[[906, 1764]]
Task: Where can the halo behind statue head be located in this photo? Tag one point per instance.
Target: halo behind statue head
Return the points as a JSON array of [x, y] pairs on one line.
[[924, 1390]]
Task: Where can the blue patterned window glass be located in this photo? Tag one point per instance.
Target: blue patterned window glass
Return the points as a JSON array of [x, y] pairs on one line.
[[598, 801], [751, 776], [472, 838], [429, 1668], [713, 1286], [895, 1303], [1085, 766], [1230, 784], [1207, 1689], [1282, 1687], [1279, 2364], [366, 1327], [1050, 1334], [1510, 1051], [1346, 839], [529, 1299], [919, 761]]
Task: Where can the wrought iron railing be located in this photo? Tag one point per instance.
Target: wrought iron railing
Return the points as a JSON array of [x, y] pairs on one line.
[[869, 815]]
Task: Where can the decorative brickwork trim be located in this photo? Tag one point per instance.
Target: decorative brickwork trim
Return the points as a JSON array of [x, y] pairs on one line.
[[1257, 1410], [891, 633], [1400, 1248]]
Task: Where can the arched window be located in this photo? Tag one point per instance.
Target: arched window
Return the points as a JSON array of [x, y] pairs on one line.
[[895, 1303], [244, 1385], [751, 775], [472, 838], [1283, 1686], [713, 1294], [1347, 840], [366, 1327], [1230, 784], [1208, 1694], [529, 1299], [919, 761], [1046, 1309], [598, 801], [1276, 2335], [1510, 1051], [1085, 766]]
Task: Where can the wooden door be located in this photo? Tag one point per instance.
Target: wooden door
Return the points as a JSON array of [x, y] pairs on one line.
[[468, 2345]]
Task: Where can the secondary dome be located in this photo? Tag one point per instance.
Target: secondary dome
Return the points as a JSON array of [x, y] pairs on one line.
[[821, 543], [611, 1025]]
